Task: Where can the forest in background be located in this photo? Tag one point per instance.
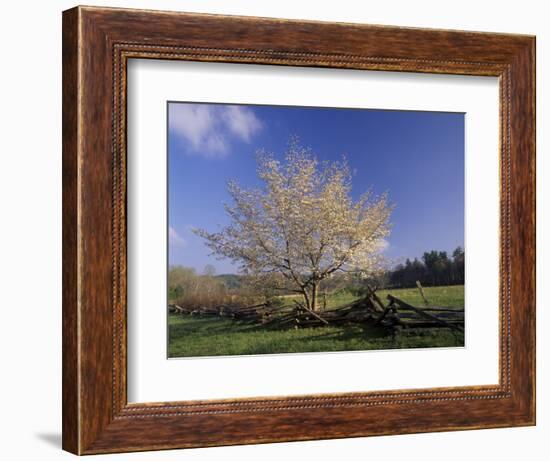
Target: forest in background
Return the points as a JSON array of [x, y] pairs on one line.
[[186, 286]]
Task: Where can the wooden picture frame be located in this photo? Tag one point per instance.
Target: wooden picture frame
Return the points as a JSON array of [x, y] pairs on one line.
[[97, 43]]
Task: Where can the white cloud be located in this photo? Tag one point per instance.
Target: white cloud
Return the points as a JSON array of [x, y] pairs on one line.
[[383, 244], [242, 122], [174, 238], [210, 128]]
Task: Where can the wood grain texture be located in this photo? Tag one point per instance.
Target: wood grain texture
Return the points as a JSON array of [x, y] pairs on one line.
[[97, 43], [70, 383]]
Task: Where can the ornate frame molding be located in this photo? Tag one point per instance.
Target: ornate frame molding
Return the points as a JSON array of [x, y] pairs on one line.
[[97, 43]]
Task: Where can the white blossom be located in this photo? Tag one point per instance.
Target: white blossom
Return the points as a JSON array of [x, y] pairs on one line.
[[302, 223]]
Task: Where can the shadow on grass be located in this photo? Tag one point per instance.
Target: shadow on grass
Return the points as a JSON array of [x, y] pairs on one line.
[[193, 336], [216, 325], [350, 332]]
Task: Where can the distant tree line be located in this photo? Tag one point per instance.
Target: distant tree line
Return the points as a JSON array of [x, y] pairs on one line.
[[187, 287], [433, 269]]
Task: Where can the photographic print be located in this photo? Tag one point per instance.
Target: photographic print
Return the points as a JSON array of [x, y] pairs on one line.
[[313, 229]]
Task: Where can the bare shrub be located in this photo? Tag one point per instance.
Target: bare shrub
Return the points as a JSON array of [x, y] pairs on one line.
[[191, 290]]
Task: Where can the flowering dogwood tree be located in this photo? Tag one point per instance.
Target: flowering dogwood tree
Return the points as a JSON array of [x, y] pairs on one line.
[[302, 224]]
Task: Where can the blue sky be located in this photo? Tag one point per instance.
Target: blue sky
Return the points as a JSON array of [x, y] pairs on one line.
[[416, 157]]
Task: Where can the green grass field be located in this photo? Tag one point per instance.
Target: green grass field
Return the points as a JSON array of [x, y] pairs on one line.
[[191, 336]]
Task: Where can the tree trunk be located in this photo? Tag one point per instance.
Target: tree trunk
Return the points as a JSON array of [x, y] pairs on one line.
[[310, 297], [306, 298], [314, 306]]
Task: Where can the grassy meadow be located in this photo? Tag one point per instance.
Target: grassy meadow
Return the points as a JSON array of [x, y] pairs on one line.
[[193, 336]]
